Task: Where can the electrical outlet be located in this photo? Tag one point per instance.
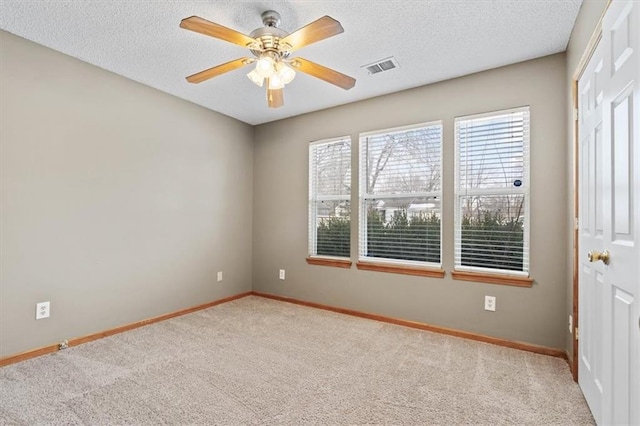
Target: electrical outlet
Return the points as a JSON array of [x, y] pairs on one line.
[[281, 274], [490, 303], [571, 324], [43, 310], [220, 276]]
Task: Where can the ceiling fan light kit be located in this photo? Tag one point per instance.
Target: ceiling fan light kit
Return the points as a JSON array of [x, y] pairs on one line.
[[272, 48]]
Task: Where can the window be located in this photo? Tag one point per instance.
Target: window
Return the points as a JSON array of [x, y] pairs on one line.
[[400, 195], [492, 192], [329, 198]]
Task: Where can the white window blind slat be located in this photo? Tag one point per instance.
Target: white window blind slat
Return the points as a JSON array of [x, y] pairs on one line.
[[492, 192], [329, 197], [331, 167]]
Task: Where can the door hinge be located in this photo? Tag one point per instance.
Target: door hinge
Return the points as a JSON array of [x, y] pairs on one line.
[[575, 114], [577, 334], [576, 224]]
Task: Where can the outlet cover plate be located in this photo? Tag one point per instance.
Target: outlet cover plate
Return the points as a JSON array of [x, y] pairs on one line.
[[220, 276], [490, 303], [43, 310], [281, 274]]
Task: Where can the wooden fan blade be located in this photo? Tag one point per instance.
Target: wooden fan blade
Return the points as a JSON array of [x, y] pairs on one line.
[[324, 73], [217, 70], [275, 97], [202, 26], [320, 29]]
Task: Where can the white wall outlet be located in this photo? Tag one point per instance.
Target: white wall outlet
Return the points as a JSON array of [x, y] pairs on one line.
[[281, 274], [490, 303], [42, 310], [571, 324], [220, 276]]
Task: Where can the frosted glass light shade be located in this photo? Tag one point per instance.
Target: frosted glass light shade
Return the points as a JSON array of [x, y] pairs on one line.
[[265, 66], [256, 78], [275, 82], [285, 73]]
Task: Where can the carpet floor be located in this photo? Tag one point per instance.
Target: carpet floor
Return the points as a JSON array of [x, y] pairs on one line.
[[256, 361]]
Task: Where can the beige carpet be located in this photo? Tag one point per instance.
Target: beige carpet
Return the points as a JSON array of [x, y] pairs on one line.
[[257, 361]]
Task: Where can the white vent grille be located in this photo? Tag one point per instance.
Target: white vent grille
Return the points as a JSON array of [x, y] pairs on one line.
[[382, 65]]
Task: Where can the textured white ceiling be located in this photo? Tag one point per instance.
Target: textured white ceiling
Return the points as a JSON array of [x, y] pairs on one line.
[[431, 40]]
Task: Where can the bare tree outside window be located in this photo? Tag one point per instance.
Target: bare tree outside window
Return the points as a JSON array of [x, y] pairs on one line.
[[400, 175]]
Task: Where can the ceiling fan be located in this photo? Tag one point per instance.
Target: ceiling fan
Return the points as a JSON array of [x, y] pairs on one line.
[[272, 48]]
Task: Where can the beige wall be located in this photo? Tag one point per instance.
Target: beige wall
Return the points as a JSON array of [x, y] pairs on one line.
[[588, 18], [119, 202], [534, 315], [114, 200]]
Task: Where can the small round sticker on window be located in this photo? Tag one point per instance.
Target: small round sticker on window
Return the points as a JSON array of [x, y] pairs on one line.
[[517, 182]]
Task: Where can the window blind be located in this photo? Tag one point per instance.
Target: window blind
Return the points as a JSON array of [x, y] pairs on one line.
[[329, 197], [492, 192], [400, 194], [404, 162]]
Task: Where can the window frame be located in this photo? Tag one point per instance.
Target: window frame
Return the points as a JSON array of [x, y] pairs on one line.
[[494, 275], [401, 266], [312, 231]]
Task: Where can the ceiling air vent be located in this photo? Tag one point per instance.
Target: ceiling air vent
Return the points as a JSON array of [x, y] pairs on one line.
[[382, 65]]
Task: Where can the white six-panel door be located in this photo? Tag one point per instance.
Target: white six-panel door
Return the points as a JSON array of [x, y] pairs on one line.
[[591, 231], [609, 193]]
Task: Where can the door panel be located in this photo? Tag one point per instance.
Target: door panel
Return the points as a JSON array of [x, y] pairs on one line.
[[620, 29], [621, 155], [598, 173], [622, 319]]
